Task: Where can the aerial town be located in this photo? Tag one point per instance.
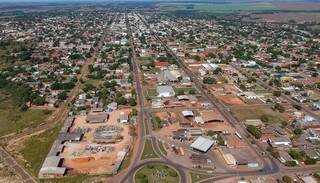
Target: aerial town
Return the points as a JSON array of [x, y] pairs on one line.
[[139, 92]]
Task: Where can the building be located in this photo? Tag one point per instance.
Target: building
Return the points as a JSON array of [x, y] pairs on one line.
[[97, 117], [187, 114], [123, 118], [165, 91], [51, 168], [254, 122], [309, 179], [202, 144], [280, 142], [250, 95]]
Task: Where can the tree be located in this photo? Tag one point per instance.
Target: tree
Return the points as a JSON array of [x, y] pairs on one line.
[[39, 100], [279, 107], [298, 131], [209, 80], [295, 154], [180, 92], [291, 163], [287, 179], [192, 91], [277, 93], [264, 118], [254, 131], [132, 102], [121, 101], [63, 95], [298, 107], [88, 87], [310, 161]]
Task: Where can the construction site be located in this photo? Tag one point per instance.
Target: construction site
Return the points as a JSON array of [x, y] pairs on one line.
[[94, 143]]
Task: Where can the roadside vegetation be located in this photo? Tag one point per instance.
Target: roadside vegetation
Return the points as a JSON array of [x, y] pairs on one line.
[[148, 151]]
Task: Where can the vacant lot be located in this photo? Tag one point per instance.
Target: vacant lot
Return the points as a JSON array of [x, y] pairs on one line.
[[157, 173], [12, 120], [230, 100], [255, 112], [37, 147]]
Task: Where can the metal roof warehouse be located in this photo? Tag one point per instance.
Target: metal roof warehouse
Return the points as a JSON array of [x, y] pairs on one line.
[[202, 144]]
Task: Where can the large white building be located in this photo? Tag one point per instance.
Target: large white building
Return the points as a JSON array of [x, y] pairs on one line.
[[165, 91]]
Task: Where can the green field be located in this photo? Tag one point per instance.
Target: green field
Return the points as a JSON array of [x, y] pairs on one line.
[[157, 173], [75, 179], [13, 120], [197, 177], [185, 90], [255, 112], [148, 151], [37, 147], [217, 8]]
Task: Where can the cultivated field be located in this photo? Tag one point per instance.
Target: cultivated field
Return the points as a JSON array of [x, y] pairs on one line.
[[216, 8], [286, 17]]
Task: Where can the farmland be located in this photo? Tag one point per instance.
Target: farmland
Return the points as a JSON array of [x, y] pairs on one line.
[[216, 8]]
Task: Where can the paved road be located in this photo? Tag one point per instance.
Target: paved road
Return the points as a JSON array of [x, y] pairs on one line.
[[11, 162], [144, 126]]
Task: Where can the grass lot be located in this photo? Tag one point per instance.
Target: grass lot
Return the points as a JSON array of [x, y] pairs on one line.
[[197, 177], [37, 147], [185, 90], [151, 93], [254, 112], [75, 179], [94, 82], [13, 120], [217, 8], [148, 151], [157, 173]]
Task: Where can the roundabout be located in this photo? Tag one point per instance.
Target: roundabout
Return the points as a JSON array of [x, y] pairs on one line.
[[156, 172]]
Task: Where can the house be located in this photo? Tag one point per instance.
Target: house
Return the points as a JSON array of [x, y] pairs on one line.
[[280, 142], [309, 179], [284, 157], [165, 91], [211, 116], [316, 105], [313, 154], [308, 121]]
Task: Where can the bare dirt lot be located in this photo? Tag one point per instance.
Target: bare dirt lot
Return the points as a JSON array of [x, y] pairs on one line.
[[231, 100]]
